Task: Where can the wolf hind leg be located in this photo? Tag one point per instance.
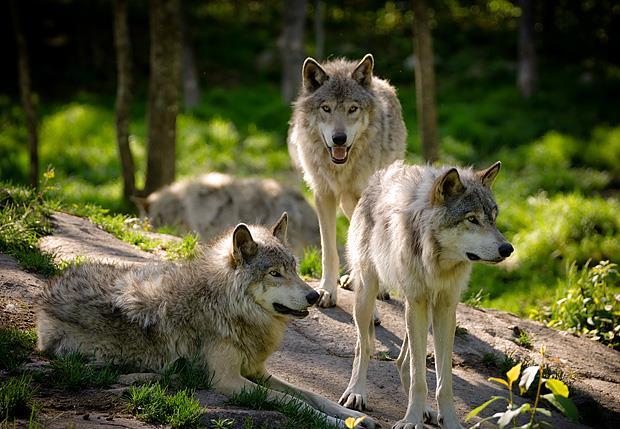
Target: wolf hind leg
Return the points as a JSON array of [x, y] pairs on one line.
[[326, 210], [355, 396]]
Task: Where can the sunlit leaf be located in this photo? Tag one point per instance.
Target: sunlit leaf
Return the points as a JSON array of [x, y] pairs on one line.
[[511, 414], [513, 374], [528, 376], [563, 404], [500, 381], [479, 408], [557, 387], [352, 422]]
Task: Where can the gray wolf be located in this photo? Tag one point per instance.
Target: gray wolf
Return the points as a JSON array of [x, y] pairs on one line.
[[346, 125], [211, 203], [227, 310], [420, 228]]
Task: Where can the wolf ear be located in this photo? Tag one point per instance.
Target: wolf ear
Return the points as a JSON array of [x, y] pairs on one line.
[[363, 71], [244, 246], [447, 185], [313, 75], [488, 176], [280, 228]]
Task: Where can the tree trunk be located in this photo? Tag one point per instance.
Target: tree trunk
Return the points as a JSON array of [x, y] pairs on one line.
[[319, 29], [527, 75], [191, 87], [292, 47], [122, 44], [25, 89], [425, 81], [165, 64]]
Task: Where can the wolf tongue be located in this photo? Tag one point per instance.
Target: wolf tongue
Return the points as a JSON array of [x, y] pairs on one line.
[[339, 153]]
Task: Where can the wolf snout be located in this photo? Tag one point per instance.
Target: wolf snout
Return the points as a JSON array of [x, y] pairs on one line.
[[505, 250], [339, 139], [312, 297]]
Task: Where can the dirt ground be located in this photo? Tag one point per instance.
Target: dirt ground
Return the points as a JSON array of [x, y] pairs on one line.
[[317, 352]]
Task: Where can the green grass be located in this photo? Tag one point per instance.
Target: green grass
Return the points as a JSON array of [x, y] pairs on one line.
[[15, 347], [310, 264], [74, 372], [153, 404], [188, 374], [16, 398], [23, 221], [297, 415], [132, 230]]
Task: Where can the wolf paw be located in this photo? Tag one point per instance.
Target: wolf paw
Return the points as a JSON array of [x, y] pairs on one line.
[[346, 282], [446, 423], [327, 299], [354, 401], [430, 416], [404, 424]]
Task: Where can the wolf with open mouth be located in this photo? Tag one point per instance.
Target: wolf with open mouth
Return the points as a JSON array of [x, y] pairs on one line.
[[346, 124]]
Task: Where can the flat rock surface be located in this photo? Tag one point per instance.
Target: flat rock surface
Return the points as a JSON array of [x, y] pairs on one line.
[[317, 351]]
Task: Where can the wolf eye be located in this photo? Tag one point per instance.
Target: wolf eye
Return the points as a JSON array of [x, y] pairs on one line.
[[326, 108], [353, 109], [275, 273], [473, 220]]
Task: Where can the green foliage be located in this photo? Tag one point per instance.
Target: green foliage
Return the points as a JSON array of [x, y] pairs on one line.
[[546, 232], [73, 372], [152, 403], [23, 220], [15, 346], [587, 303], [603, 151], [532, 375], [16, 397], [133, 230], [298, 415], [310, 265]]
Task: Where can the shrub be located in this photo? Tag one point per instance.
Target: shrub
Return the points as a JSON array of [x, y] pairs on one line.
[[587, 303]]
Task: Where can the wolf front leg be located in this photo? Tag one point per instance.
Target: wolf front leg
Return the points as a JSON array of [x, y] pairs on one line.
[[444, 324], [356, 395], [326, 209], [417, 322], [318, 402]]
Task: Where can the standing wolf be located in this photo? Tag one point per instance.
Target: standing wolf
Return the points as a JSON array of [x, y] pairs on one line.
[[227, 310], [419, 228], [346, 125]]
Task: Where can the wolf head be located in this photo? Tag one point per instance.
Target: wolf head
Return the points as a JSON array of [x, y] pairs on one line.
[[339, 100], [270, 270], [467, 229]]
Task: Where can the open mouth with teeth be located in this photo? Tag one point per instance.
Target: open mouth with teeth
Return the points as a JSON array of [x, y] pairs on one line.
[[283, 309], [339, 154], [474, 257]]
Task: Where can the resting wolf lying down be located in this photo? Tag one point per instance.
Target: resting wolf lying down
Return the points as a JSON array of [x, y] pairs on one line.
[[228, 309]]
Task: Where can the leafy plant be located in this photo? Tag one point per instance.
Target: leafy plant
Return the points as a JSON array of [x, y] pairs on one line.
[[557, 396], [222, 423], [587, 303]]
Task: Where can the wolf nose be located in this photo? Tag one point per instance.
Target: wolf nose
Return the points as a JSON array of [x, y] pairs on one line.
[[339, 138], [505, 250], [312, 297]]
